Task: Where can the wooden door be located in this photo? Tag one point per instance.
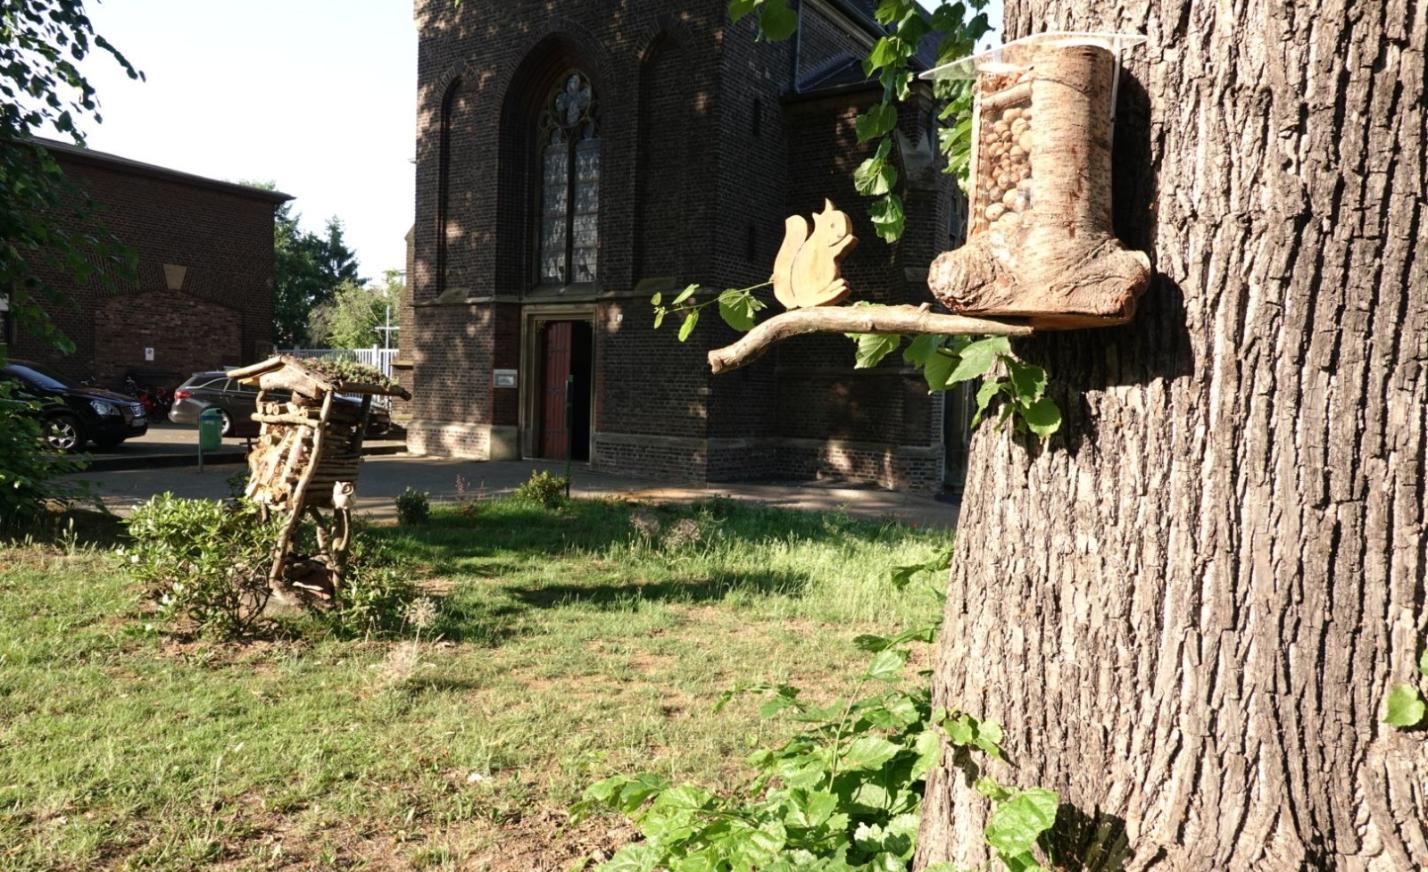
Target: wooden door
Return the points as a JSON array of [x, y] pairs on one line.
[[555, 430]]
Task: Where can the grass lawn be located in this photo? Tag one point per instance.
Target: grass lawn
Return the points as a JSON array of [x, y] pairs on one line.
[[566, 650]]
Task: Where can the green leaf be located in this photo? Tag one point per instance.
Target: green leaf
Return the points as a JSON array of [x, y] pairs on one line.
[[1044, 418], [889, 11], [812, 808], [1404, 707], [684, 295], [921, 348], [687, 327], [739, 8], [979, 357], [885, 52], [873, 347], [659, 317], [988, 787], [989, 738], [887, 664], [985, 394], [888, 218], [1423, 662], [961, 730], [776, 21], [638, 857], [937, 370], [879, 120], [685, 796], [737, 316], [1016, 823], [655, 300], [1028, 381], [929, 752], [874, 177], [751, 848], [869, 752]]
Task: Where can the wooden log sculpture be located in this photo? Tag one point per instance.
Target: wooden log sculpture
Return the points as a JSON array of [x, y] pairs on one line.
[[1040, 245], [306, 459]]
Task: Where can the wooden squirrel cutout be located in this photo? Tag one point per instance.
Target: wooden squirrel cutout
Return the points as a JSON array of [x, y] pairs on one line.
[[806, 271]]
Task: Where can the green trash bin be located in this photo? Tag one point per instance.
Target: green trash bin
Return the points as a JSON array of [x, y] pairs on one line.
[[210, 430]]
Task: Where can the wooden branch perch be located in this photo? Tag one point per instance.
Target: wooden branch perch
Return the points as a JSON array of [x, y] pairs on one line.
[[853, 319]]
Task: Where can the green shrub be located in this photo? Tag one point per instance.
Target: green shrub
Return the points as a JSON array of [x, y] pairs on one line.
[[845, 792], [413, 506], [375, 592], [204, 562], [28, 467], [543, 489]]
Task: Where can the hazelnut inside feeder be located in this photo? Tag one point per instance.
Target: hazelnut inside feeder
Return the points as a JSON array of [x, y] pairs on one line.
[[1040, 245]]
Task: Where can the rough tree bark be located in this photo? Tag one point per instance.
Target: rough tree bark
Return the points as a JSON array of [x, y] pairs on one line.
[[1188, 608]]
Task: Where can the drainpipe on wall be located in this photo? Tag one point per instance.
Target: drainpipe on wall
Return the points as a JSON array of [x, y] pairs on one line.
[[797, 48]]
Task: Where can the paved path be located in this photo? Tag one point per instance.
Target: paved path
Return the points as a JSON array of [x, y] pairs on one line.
[[169, 444], [385, 477]]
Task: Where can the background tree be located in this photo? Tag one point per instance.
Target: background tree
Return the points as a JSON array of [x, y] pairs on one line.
[[46, 223], [351, 318], [44, 220], [308, 268], [1188, 609]]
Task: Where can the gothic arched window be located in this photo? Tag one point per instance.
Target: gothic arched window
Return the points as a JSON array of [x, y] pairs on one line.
[[570, 183]]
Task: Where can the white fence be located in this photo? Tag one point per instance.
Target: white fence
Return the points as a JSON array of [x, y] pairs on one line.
[[380, 359]]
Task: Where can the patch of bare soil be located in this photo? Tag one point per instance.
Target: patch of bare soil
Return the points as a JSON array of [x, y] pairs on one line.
[[546, 841]]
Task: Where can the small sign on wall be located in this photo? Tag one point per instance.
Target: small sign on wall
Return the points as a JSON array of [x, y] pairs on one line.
[[503, 378], [148, 354]]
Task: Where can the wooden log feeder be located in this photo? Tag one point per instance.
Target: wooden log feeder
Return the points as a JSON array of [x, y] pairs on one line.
[[1040, 252], [313, 419], [1040, 244]]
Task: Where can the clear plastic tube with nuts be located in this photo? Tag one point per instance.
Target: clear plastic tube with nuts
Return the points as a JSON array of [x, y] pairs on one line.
[[1040, 244]]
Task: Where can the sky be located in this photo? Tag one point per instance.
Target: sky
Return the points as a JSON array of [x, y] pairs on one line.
[[317, 96]]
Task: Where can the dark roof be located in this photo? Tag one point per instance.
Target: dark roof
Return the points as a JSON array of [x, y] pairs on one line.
[[68, 151], [837, 73]]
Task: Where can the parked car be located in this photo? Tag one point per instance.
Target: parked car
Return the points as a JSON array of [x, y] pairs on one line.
[[74, 415], [236, 403]]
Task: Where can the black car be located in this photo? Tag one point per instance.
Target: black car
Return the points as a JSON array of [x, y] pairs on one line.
[[74, 416], [237, 402]]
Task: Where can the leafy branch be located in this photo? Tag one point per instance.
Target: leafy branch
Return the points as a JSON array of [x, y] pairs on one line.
[[845, 792], [947, 361], [42, 45], [737, 306], [890, 62]]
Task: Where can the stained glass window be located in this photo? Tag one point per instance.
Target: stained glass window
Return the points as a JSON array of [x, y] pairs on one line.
[[570, 183]]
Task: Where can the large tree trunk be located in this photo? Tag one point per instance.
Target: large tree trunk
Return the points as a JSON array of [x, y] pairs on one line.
[[1188, 608]]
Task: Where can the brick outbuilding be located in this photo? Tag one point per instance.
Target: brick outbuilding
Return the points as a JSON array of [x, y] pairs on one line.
[[203, 298], [574, 158]]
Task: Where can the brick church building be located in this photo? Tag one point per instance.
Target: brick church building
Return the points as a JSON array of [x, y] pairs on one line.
[[575, 157]]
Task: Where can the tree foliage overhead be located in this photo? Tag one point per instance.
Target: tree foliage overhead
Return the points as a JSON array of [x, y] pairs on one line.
[[956, 26], [45, 222]]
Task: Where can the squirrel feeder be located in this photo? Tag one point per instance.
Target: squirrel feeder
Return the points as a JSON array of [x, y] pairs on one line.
[[1040, 244]]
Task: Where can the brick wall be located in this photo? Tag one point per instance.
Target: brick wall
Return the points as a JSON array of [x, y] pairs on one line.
[[187, 335], [223, 311]]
